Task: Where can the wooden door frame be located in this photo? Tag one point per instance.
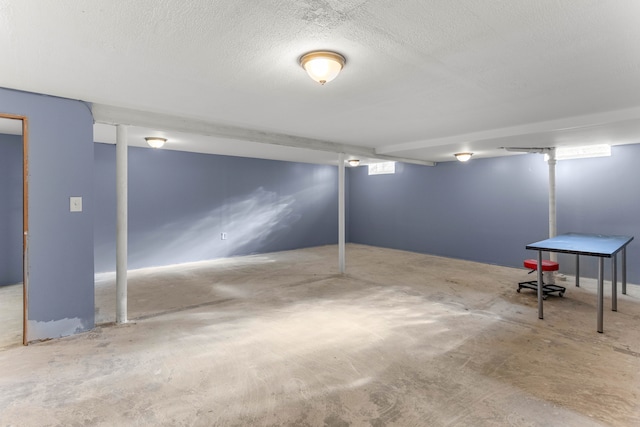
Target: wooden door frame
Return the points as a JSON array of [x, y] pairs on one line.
[[25, 217]]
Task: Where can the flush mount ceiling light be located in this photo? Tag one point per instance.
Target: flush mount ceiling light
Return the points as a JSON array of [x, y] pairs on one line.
[[322, 66], [463, 157], [155, 141], [354, 162]]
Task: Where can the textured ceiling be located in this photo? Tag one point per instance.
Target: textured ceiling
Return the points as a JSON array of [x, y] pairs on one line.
[[424, 79]]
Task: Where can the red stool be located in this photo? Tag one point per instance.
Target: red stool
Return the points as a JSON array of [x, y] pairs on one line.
[[547, 289]]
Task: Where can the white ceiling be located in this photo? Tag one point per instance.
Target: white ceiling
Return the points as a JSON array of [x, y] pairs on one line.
[[423, 79]]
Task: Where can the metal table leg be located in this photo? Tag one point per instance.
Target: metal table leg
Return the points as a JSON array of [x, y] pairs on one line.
[[624, 270], [614, 283], [540, 284], [577, 270], [600, 291]]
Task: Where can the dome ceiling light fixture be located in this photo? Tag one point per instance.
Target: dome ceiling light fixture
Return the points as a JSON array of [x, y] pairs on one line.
[[354, 162], [463, 157], [155, 141], [322, 66]]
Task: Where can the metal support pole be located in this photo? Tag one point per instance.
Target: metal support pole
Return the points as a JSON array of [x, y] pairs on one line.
[[577, 270], [341, 213], [121, 223], [600, 292]]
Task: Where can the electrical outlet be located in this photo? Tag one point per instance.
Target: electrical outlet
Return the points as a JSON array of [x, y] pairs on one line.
[[223, 236], [75, 204]]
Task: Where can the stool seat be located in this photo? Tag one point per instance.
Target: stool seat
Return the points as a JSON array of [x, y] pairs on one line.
[[547, 288], [547, 265]]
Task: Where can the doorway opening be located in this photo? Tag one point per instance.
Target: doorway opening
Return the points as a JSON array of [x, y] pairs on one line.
[[13, 230]]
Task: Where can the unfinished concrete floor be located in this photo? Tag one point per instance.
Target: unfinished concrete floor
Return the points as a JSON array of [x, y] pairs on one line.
[[10, 316], [403, 339]]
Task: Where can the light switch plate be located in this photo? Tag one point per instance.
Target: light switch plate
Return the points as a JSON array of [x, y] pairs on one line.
[[75, 204]]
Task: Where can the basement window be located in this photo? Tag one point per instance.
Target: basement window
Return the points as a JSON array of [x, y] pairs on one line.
[[382, 168], [583, 152]]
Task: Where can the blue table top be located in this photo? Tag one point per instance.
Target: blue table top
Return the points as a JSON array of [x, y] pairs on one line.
[[583, 244]]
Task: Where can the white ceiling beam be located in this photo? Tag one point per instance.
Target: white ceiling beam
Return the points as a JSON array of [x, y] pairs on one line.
[[107, 114], [576, 122]]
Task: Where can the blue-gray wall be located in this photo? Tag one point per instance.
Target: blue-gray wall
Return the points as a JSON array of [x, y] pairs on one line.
[[60, 243], [601, 195], [180, 203], [487, 210], [10, 209]]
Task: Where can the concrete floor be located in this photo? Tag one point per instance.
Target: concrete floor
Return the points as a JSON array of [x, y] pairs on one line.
[[403, 339], [10, 316]]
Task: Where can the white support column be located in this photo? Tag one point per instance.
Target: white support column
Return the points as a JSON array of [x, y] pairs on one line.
[[121, 224], [341, 213], [550, 275], [553, 229]]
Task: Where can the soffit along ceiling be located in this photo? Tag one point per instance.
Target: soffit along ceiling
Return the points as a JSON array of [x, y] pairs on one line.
[[423, 80]]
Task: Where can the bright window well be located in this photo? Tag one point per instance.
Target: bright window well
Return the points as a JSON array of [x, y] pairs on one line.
[[565, 153], [382, 168]]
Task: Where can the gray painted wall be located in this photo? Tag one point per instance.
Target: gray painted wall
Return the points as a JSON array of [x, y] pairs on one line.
[[180, 203], [10, 209], [487, 210], [60, 243]]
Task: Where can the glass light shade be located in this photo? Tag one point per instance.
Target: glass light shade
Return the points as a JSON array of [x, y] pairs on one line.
[[463, 157], [354, 162], [322, 66], [155, 142]]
